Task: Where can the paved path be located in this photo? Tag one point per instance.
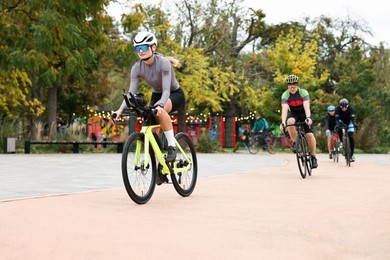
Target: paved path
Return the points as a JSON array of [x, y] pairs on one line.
[[254, 207]]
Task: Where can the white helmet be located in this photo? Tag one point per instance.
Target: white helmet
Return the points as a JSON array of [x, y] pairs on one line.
[[144, 38]]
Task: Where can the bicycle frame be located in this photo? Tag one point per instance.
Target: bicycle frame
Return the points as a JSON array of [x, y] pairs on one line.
[[150, 140]]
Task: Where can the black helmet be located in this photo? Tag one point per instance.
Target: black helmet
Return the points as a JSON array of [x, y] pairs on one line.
[[292, 79], [344, 103]]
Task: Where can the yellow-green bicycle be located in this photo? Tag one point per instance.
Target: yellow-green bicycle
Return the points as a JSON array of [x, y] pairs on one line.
[[143, 157]]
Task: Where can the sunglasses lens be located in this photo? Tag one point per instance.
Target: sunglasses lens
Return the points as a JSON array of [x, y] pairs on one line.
[[141, 47]]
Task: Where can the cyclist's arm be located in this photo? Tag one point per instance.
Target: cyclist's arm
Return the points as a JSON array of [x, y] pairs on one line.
[[353, 116], [134, 80], [166, 80], [284, 112], [327, 122], [306, 106]]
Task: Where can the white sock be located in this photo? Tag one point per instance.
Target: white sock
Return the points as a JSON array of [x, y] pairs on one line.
[[170, 137]]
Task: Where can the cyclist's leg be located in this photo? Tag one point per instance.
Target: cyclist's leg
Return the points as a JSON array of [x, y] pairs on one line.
[[263, 139], [351, 133], [291, 119], [330, 143], [174, 102], [311, 140]]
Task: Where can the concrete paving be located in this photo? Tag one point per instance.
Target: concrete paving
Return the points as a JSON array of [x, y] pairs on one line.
[[35, 175], [243, 207]]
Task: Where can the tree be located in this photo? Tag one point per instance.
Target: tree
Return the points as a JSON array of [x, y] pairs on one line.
[[223, 30], [293, 54], [55, 43]]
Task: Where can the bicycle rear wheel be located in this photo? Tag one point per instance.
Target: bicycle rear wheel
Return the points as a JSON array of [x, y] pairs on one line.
[[270, 144], [185, 181], [276, 144], [139, 179], [301, 156]]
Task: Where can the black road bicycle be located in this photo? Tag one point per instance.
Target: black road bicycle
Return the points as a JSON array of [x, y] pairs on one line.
[[302, 150], [346, 146]]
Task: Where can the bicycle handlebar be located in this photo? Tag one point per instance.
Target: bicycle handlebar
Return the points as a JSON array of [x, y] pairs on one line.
[[137, 103], [296, 124]]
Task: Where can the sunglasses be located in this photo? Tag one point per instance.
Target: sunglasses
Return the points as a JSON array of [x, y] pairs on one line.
[[344, 107], [144, 48]]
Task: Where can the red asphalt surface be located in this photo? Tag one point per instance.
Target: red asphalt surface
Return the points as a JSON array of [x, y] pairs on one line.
[[337, 213]]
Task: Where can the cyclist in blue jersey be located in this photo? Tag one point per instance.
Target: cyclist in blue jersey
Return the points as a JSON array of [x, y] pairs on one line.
[[157, 71], [296, 108], [330, 124]]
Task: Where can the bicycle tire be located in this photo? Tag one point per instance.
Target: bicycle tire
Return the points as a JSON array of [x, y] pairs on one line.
[[308, 157], [254, 145], [276, 145], [184, 182], [140, 182], [270, 145], [301, 156]]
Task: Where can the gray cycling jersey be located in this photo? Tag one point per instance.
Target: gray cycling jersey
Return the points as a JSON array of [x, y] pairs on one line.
[[159, 75]]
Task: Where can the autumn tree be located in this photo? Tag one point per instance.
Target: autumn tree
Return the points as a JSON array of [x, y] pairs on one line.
[[55, 43]]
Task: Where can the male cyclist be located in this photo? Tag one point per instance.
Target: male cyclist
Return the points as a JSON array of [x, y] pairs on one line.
[[296, 108], [330, 124], [261, 126], [157, 71], [345, 114]]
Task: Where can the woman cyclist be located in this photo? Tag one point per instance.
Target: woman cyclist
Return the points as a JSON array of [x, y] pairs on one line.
[[157, 71], [345, 115], [330, 123], [296, 108]]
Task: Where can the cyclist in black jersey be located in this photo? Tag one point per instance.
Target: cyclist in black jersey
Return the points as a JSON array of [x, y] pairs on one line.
[[330, 124], [345, 115], [296, 108], [157, 71]]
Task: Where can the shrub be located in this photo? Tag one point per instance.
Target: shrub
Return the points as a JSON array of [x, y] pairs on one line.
[[206, 143]]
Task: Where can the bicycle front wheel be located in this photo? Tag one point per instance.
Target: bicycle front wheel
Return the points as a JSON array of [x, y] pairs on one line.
[[184, 180], [254, 144], [308, 167], [139, 177], [301, 156]]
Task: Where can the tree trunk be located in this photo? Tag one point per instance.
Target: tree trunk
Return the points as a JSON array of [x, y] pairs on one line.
[[230, 116], [34, 122], [52, 109]]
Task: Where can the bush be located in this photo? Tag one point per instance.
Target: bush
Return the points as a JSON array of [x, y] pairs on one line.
[[8, 128], [206, 143]]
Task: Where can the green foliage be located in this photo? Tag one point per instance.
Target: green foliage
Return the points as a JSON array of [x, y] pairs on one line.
[[231, 61]]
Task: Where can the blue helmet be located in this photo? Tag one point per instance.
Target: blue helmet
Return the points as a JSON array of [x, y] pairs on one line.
[[331, 108]]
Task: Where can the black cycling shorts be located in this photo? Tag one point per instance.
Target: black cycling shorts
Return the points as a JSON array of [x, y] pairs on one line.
[[301, 117], [177, 98]]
